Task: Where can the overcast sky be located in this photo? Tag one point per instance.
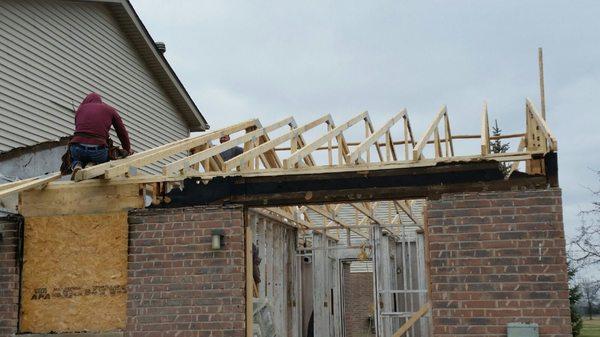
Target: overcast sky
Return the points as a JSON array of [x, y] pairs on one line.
[[271, 59]]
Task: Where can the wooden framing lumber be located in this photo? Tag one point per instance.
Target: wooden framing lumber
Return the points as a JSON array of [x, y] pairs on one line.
[[98, 170], [172, 150], [249, 279], [408, 137], [412, 320], [120, 167], [515, 165], [251, 154], [366, 144], [259, 148], [418, 150], [309, 160], [302, 223], [317, 170], [366, 212], [333, 218], [541, 75], [135, 180], [541, 124], [369, 129], [406, 209], [91, 199], [485, 131], [448, 140], [369, 214], [182, 164], [12, 184], [538, 138], [321, 287], [402, 142], [309, 148], [499, 157], [275, 217], [27, 184]]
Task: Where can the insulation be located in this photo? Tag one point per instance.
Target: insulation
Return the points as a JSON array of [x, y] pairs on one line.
[[74, 273]]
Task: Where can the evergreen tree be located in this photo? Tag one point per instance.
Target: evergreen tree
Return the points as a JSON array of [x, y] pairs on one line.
[[574, 297], [496, 146]]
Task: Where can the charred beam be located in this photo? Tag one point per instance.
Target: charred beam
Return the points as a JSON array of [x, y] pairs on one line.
[[425, 182]]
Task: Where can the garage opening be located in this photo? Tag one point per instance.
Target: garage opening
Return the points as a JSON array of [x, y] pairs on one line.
[[359, 270]]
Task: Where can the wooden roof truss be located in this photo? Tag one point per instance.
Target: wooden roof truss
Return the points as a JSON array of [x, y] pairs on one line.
[[282, 148]]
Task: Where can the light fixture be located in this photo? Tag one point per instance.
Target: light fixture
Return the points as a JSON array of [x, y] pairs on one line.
[[217, 239], [362, 255]]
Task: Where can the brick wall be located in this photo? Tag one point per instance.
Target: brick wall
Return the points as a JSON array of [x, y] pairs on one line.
[[178, 286], [9, 275], [498, 257], [358, 302]]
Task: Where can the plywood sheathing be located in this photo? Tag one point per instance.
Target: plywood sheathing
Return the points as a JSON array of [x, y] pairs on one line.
[[74, 273], [80, 199]]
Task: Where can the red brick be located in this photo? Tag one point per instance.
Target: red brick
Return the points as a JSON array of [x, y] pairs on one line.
[[177, 285], [358, 302], [486, 269], [9, 274]]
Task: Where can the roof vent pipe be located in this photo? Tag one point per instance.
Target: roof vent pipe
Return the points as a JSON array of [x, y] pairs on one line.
[[161, 47]]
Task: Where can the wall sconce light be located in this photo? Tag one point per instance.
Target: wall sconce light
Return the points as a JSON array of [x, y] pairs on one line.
[[217, 236]]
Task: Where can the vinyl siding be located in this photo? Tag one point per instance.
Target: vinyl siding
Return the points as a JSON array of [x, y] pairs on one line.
[[53, 54]]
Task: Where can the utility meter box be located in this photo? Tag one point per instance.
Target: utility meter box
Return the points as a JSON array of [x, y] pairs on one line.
[[523, 330]]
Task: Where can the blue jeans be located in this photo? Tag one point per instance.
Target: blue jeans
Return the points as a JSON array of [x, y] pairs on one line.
[[84, 154]]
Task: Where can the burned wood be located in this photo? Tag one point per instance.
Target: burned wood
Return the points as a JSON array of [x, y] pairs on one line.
[[430, 182]]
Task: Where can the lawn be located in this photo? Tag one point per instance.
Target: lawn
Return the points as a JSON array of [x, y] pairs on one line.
[[591, 328]]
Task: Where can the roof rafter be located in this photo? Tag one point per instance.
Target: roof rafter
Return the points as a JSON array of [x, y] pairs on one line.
[[183, 163], [253, 153], [261, 164], [292, 160], [372, 139], [119, 167]]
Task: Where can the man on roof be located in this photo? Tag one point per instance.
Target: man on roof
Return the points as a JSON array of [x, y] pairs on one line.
[[90, 143]]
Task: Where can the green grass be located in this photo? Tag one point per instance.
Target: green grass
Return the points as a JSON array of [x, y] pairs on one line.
[[591, 328]]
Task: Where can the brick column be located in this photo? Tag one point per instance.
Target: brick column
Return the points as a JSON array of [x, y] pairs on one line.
[[9, 275], [498, 257], [178, 285]]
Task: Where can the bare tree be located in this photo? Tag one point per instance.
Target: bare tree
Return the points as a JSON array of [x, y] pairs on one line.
[[587, 240], [590, 289]]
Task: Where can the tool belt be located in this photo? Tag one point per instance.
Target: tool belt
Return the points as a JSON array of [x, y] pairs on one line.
[[114, 152]]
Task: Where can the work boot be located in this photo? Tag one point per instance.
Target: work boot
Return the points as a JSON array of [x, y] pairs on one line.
[[76, 169]]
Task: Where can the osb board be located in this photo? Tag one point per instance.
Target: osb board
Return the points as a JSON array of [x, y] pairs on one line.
[[79, 199], [74, 273]]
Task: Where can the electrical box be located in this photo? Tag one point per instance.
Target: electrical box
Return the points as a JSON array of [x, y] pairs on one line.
[[523, 330]]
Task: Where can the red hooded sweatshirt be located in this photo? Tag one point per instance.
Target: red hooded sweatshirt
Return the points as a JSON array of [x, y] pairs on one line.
[[94, 117]]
